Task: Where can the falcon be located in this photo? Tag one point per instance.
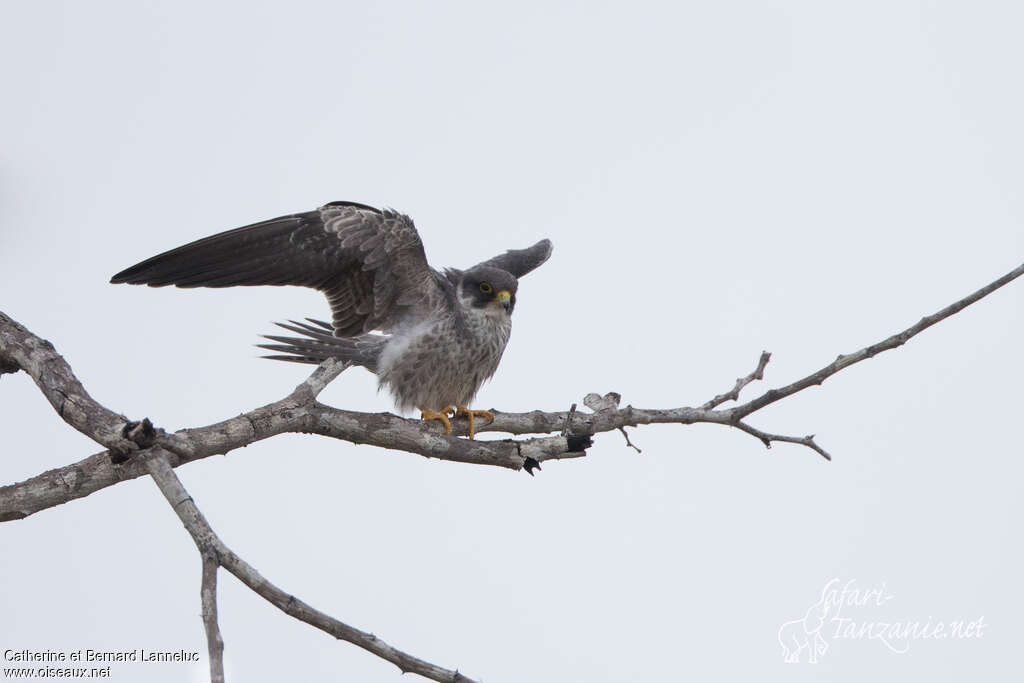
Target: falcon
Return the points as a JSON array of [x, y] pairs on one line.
[[431, 337]]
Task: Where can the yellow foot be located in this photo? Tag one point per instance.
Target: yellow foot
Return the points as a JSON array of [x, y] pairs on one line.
[[442, 416], [470, 414]]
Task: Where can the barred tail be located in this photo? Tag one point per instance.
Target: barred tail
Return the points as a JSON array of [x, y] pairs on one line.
[[318, 343]]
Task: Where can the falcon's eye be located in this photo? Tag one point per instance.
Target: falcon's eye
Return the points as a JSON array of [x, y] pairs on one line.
[[486, 288]]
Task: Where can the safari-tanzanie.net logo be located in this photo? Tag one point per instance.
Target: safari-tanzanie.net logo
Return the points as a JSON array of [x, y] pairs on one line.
[[846, 611]]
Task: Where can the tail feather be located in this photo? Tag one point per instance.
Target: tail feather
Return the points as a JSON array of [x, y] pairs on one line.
[[327, 326], [318, 343]]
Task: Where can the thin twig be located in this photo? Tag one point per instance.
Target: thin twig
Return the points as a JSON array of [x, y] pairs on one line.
[[896, 340], [628, 442], [767, 439], [734, 393]]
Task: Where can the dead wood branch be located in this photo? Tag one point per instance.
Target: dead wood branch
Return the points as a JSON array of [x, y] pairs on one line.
[[136, 448]]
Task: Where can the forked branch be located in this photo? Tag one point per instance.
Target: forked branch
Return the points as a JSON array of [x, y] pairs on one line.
[[215, 554], [136, 448]]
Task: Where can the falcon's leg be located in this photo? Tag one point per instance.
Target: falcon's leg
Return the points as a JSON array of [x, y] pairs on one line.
[[442, 416], [470, 414]]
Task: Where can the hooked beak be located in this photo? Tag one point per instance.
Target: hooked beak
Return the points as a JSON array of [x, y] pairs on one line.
[[505, 299]]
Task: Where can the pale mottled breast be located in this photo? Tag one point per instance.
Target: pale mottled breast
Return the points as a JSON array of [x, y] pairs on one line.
[[443, 362]]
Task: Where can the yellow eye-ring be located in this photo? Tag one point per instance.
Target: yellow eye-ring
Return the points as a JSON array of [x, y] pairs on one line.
[[486, 288]]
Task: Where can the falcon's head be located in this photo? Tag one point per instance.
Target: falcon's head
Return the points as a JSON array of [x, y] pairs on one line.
[[489, 288]]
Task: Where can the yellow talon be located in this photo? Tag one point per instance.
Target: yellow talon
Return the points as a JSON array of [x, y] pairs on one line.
[[442, 416], [470, 414]]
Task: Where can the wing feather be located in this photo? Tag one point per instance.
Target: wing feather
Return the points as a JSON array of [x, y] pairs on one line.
[[519, 262], [369, 263]]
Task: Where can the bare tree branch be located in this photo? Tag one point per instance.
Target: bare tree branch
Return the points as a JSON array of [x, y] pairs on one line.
[[136, 448], [208, 596], [734, 393], [899, 339], [299, 412], [628, 442], [215, 552], [20, 348], [767, 439]]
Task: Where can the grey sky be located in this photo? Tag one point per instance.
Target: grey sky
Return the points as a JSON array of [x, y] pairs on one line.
[[717, 178]]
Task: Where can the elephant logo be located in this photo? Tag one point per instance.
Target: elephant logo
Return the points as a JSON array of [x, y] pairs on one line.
[[805, 634]]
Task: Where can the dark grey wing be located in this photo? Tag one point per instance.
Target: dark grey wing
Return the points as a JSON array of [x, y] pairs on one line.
[[519, 262], [370, 263]]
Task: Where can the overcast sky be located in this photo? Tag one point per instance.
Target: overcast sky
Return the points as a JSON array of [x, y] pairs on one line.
[[717, 178]]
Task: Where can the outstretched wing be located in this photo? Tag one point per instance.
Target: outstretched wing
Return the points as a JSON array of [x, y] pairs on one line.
[[370, 263], [519, 262]]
